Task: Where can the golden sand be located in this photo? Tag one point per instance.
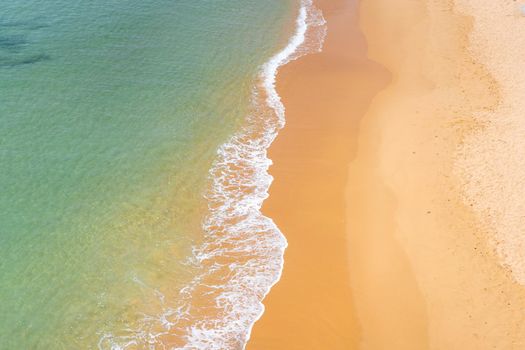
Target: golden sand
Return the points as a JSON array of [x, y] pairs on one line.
[[404, 174], [386, 249]]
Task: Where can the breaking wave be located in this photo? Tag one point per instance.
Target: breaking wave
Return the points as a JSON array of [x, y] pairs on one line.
[[241, 257]]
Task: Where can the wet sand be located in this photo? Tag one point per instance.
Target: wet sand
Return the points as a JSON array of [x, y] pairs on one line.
[[325, 96], [385, 249]]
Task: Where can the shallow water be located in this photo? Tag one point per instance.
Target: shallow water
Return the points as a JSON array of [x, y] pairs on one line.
[[111, 113]]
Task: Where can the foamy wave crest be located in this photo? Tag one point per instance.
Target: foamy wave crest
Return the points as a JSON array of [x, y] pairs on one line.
[[241, 257]]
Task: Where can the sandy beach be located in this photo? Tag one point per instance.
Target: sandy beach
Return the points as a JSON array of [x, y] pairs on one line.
[[406, 170], [397, 182]]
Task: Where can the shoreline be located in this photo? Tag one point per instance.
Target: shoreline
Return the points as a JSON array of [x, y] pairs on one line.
[[240, 241], [311, 306]]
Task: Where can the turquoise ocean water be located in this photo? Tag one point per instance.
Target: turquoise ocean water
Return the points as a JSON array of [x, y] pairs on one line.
[[110, 116]]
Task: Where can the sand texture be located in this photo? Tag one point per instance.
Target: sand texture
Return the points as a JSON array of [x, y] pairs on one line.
[[407, 191], [491, 161]]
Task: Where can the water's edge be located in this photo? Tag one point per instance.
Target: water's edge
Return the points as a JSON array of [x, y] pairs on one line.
[[242, 255]]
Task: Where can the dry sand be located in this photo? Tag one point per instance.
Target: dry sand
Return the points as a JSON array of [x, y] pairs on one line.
[[403, 190], [492, 158], [394, 181]]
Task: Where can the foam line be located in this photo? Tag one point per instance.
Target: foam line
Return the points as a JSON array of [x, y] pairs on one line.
[[242, 255]]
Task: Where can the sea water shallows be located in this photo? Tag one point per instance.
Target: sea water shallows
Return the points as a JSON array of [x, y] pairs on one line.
[[133, 147], [111, 113], [121, 224]]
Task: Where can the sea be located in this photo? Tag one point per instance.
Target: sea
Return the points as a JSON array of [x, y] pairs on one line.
[[133, 167]]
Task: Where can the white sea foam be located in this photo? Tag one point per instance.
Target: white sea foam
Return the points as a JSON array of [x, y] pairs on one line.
[[241, 257]]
